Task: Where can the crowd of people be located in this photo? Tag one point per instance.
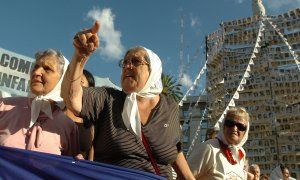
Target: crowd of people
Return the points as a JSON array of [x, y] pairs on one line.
[[136, 127]]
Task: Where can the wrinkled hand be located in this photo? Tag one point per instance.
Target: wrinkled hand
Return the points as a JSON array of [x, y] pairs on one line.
[[79, 157], [86, 41]]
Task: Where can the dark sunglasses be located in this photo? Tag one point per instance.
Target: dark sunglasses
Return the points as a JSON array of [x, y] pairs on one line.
[[230, 123]]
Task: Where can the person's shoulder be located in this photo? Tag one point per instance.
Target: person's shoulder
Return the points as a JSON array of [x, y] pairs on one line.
[[208, 144], [16, 103], [214, 143], [113, 93], [104, 90], [62, 118], [168, 100], [109, 90], [205, 147], [14, 100]]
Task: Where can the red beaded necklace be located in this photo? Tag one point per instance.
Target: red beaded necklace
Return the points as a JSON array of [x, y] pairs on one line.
[[228, 154]]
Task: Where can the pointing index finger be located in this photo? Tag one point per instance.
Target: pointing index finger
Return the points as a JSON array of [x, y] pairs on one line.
[[95, 28]]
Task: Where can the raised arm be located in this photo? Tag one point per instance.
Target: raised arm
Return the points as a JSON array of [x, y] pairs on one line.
[[85, 43]]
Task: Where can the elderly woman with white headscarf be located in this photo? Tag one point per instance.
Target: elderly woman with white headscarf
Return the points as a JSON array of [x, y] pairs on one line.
[[137, 127], [281, 172], [37, 122], [223, 157]]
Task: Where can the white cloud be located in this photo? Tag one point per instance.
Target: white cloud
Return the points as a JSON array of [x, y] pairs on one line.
[[111, 47], [239, 1], [194, 20], [186, 80], [195, 24]]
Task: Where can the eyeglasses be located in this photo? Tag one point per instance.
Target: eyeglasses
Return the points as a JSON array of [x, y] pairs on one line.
[[230, 123], [134, 62]]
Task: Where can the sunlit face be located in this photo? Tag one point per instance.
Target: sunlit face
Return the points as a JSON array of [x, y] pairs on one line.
[[255, 171], [84, 81], [232, 134], [44, 76], [285, 174], [134, 78]]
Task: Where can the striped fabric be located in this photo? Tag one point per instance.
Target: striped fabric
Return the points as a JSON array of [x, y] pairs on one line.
[[115, 144]]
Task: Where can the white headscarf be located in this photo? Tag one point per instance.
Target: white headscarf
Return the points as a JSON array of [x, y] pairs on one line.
[[152, 88], [41, 103], [276, 174], [233, 148]]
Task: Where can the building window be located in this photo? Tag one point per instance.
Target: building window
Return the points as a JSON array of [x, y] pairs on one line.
[[204, 125], [185, 113]]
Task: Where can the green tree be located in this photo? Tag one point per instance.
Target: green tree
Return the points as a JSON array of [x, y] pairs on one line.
[[171, 87]]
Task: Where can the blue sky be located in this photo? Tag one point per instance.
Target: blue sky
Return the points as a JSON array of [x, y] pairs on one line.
[[32, 25]]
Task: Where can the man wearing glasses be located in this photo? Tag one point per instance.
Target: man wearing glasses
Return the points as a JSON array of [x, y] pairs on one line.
[[223, 157]]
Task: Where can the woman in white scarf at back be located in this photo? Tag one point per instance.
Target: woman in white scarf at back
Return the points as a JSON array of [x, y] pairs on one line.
[[281, 172], [223, 157], [37, 122]]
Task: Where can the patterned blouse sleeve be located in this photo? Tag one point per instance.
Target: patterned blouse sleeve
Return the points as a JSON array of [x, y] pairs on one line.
[[92, 102]]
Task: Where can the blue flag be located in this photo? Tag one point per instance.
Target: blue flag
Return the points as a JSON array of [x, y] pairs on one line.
[[24, 164]]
